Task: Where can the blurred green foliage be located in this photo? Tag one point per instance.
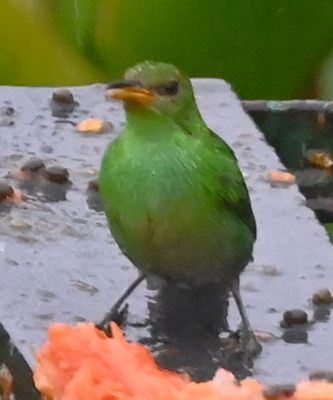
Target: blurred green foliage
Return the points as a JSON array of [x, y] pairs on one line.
[[31, 53], [265, 48], [329, 230]]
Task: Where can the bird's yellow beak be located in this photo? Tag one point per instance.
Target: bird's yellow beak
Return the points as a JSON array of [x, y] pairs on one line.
[[131, 94]]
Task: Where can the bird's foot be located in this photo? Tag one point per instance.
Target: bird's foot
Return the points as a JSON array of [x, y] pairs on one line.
[[118, 312], [117, 315], [250, 345]]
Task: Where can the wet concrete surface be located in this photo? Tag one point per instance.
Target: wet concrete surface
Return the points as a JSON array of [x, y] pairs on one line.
[[59, 262]]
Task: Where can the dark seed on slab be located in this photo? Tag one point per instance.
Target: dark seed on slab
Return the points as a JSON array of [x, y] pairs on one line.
[[93, 185], [5, 191], [57, 174], [322, 376], [322, 296], [63, 96], [275, 391], [33, 165], [294, 317], [62, 103]]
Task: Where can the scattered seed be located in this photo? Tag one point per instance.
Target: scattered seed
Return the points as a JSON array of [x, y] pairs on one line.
[[30, 169], [62, 103], [94, 125], [63, 96], [294, 317], [6, 191], [33, 165], [281, 177], [322, 296], [57, 174]]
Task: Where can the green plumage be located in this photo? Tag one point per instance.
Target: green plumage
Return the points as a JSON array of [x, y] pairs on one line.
[[173, 193]]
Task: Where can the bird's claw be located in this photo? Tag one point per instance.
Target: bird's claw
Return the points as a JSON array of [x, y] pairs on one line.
[[117, 315]]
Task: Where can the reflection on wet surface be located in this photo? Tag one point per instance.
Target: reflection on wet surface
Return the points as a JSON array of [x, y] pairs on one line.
[[185, 326]]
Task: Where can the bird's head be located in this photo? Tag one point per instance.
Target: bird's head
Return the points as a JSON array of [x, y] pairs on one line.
[[158, 86]]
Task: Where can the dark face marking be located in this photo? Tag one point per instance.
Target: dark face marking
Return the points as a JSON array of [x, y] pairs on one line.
[[169, 88]]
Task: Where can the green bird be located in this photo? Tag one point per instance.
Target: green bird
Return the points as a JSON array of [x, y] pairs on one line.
[[174, 196]]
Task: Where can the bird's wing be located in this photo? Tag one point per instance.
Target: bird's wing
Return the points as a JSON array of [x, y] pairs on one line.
[[234, 193]]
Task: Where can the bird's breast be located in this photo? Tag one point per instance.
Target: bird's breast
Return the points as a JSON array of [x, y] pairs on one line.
[[161, 203], [154, 192]]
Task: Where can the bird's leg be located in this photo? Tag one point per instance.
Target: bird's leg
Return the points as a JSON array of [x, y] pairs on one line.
[[114, 312], [251, 345]]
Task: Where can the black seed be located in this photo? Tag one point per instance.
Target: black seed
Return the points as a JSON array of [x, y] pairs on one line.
[[63, 96], [5, 191], [62, 103], [57, 174], [33, 165], [294, 317]]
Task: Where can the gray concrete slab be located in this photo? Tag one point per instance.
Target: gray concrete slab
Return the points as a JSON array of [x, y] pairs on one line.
[[59, 262]]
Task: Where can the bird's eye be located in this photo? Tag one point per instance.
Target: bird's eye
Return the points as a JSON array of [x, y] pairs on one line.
[[168, 89]]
